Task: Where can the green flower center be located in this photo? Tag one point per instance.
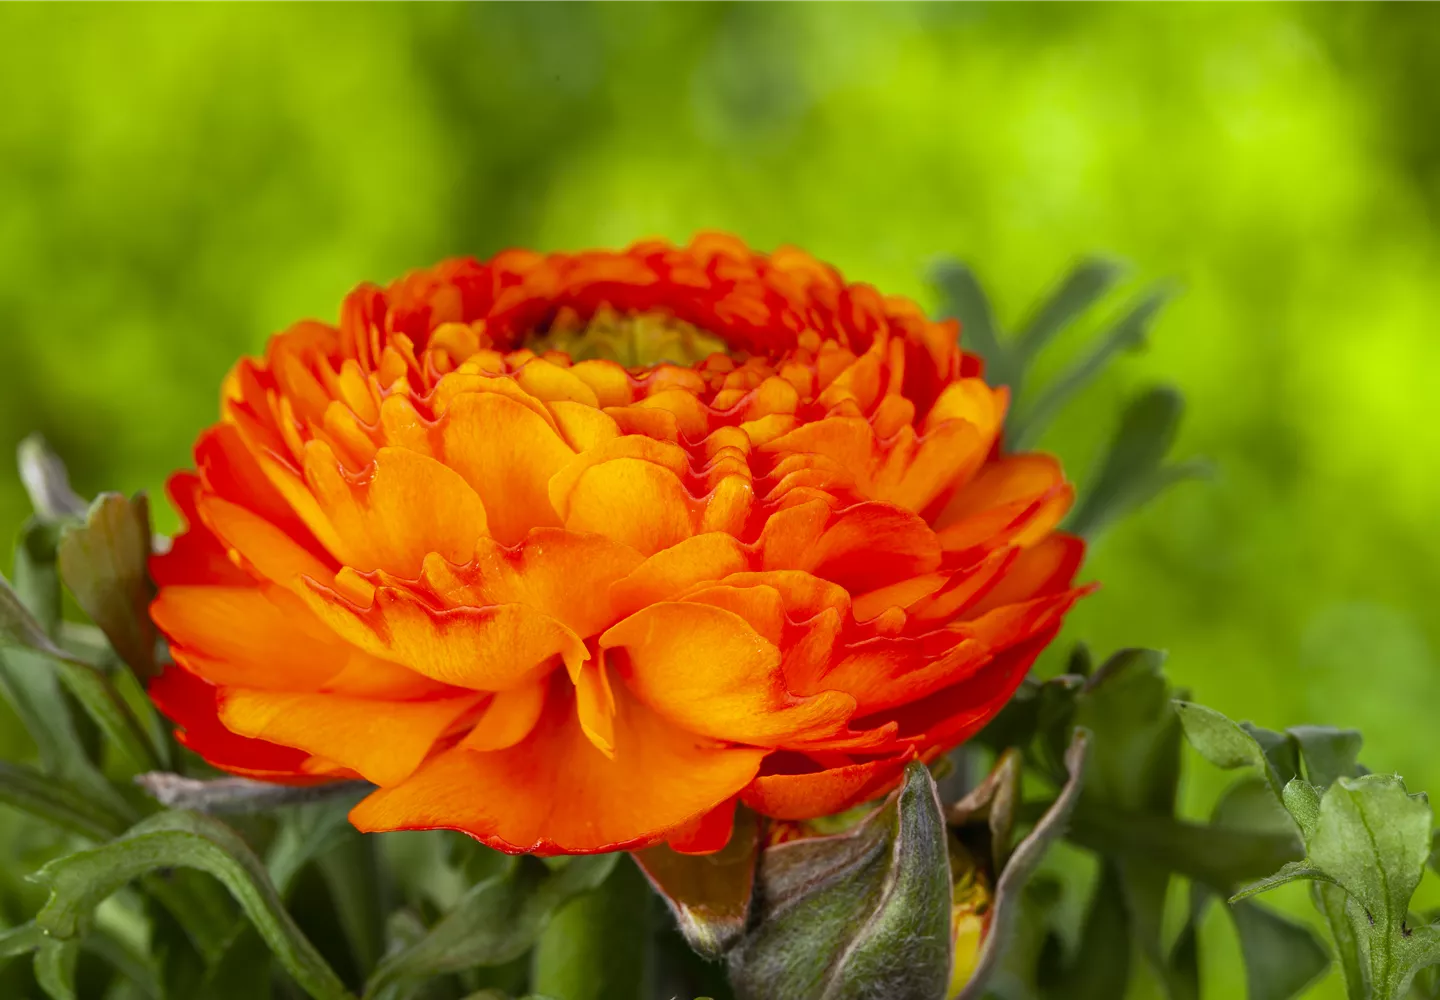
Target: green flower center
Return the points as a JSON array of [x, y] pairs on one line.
[[634, 340]]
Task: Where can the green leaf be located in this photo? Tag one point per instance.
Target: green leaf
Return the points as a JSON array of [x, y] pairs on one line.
[[306, 832], [31, 681], [139, 969], [1293, 871], [20, 940], [1133, 470], [709, 894], [1333, 904], [1302, 799], [593, 949], [993, 802], [1127, 333], [351, 870], [19, 629], [47, 482], [1009, 899], [105, 563], [56, 802], [1084, 286], [79, 882], [1282, 958], [1135, 762], [1226, 744], [1102, 966], [861, 914], [494, 922], [55, 968], [963, 299], [1328, 753], [1218, 857]]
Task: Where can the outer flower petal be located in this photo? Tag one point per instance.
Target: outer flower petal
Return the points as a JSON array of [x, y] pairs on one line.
[[556, 793], [382, 741]]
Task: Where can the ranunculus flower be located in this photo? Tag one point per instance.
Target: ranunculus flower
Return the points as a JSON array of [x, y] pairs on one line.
[[566, 604]]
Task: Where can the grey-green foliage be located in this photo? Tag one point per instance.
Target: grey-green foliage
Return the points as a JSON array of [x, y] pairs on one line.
[[863, 914], [1133, 469]]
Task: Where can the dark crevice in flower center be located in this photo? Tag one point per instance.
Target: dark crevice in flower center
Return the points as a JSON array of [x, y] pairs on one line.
[[631, 339]]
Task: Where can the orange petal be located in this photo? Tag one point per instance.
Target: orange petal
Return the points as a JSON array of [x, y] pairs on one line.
[[383, 741], [266, 550], [564, 574], [190, 702], [948, 717], [633, 501], [670, 572], [862, 548], [708, 670], [407, 507], [1042, 569], [507, 453], [708, 833], [486, 649], [556, 793], [195, 556], [254, 637], [807, 795], [508, 719]]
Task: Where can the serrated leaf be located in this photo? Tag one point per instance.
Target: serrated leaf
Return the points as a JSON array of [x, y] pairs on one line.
[[1282, 957], [709, 894], [47, 482], [590, 950], [495, 921], [80, 881], [1009, 896], [1133, 471], [105, 563], [861, 914], [1127, 333], [1293, 871]]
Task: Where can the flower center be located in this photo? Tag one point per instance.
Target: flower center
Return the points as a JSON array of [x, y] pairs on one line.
[[634, 340]]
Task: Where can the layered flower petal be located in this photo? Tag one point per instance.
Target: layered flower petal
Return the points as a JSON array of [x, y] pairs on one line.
[[573, 552]]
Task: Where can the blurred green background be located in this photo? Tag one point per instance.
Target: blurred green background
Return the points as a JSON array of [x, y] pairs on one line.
[[178, 182]]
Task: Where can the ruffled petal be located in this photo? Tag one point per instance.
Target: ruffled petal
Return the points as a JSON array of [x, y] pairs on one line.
[[554, 792]]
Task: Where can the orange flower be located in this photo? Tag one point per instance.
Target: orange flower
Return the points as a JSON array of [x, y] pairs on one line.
[[569, 606]]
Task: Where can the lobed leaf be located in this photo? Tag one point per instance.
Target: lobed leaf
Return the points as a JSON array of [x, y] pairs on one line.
[[55, 968], [80, 881]]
